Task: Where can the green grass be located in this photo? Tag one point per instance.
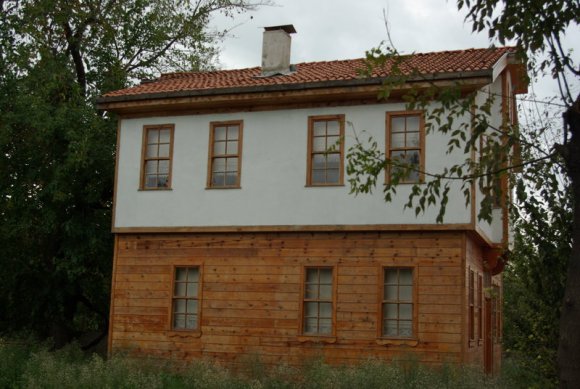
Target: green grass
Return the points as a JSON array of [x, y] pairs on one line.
[[29, 365]]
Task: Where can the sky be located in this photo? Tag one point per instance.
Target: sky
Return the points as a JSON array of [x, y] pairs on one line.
[[345, 29]]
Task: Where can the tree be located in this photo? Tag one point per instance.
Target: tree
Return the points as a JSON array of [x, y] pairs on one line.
[[538, 28], [57, 152]]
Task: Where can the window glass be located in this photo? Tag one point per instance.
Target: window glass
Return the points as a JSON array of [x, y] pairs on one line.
[[398, 304]]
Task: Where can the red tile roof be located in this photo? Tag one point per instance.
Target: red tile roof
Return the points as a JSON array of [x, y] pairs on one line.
[[315, 72]]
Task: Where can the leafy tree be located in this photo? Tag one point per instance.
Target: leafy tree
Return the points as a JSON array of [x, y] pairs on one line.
[[57, 152], [538, 27]]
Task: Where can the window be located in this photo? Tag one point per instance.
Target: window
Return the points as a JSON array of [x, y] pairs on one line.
[[225, 154], [405, 146], [325, 150], [480, 308], [470, 319], [398, 307], [157, 156], [185, 304], [318, 304]]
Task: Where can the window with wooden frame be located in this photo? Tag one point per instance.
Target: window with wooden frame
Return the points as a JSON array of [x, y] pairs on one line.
[[225, 154], [157, 156], [471, 308], [186, 298], [398, 307], [318, 309], [405, 140], [479, 308], [325, 150]]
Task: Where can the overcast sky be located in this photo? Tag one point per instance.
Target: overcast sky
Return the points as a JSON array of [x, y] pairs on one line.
[[344, 29]]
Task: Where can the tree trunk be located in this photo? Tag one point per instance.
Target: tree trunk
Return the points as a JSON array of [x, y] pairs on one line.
[[569, 347]]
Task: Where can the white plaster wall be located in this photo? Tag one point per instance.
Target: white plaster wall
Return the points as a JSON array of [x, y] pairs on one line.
[[493, 230], [273, 175]]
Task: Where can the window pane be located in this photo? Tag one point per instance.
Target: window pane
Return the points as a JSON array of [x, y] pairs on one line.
[[164, 151], [311, 275], [164, 136], [413, 160], [390, 311], [405, 311], [193, 274], [192, 289], [333, 127], [232, 147], [179, 322], [191, 322], [325, 310], [319, 128], [325, 326], [318, 161], [333, 161], [150, 167], [326, 276], [406, 276], [398, 140], [218, 179], [151, 181], [311, 291], [191, 306], [219, 148], [233, 132], [333, 143], [412, 123], [391, 293], [180, 289], [318, 177], [405, 328], [153, 136], [326, 292], [311, 309], [219, 133], [231, 178], [319, 144], [332, 176], [232, 165], [152, 150], [181, 274], [406, 293], [391, 277], [179, 306], [310, 325], [390, 328], [162, 181], [164, 166], [219, 165], [398, 124], [412, 139]]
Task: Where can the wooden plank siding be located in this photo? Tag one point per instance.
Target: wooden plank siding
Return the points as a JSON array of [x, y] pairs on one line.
[[251, 294]]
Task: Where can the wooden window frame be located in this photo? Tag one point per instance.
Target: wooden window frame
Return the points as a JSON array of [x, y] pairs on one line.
[[310, 153], [381, 301], [174, 297], [145, 159], [303, 300], [212, 156], [421, 148], [479, 309], [471, 307]]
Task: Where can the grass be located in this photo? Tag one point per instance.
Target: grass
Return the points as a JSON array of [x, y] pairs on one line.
[[29, 365]]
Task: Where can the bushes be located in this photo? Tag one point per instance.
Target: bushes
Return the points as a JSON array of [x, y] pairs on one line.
[[29, 365]]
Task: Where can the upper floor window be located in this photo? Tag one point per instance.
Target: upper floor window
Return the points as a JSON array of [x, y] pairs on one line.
[[325, 150], [318, 304], [185, 304], [406, 146], [157, 156], [225, 154], [398, 303]]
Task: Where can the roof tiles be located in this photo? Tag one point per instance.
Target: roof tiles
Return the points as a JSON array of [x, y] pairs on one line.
[[314, 72]]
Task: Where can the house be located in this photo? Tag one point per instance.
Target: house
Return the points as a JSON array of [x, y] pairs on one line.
[[236, 235]]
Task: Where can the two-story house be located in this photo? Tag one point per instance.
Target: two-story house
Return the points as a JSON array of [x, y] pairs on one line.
[[236, 235]]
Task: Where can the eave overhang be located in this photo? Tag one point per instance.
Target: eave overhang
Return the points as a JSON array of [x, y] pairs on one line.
[[278, 96]]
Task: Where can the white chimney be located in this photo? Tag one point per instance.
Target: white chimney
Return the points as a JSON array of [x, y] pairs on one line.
[[276, 50]]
